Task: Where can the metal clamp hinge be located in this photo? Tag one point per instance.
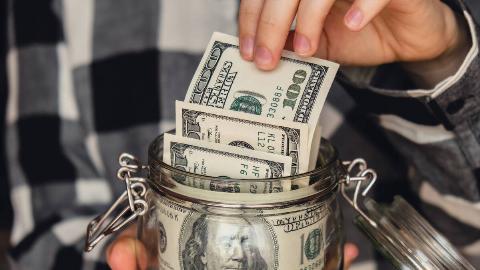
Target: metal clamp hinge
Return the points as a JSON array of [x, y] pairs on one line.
[[359, 173], [135, 195]]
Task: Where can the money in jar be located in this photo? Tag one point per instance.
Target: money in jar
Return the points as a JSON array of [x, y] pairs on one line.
[[246, 182], [180, 226], [187, 235], [190, 228]]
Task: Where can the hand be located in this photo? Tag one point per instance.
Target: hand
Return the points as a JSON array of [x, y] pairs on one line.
[[127, 253], [350, 253], [365, 32]]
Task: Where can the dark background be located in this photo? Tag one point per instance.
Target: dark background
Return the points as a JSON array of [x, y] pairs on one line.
[[5, 204]]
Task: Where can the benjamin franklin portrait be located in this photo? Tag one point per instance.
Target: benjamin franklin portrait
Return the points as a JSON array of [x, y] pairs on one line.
[[220, 242]]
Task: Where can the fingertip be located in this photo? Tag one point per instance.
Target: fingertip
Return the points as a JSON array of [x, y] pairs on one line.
[[351, 251], [248, 16], [247, 47], [121, 254], [354, 19], [264, 59], [302, 45]]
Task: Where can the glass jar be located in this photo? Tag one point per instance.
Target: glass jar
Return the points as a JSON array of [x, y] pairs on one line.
[[190, 228], [189, 221]]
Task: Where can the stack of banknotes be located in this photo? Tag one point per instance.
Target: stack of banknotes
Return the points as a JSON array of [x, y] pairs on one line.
[[240, 122]]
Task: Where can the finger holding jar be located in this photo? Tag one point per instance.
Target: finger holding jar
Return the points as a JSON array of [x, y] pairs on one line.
[[350, 253], [127, 252]]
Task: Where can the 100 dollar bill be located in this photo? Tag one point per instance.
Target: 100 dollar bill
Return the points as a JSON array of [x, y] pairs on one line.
[[283, 239], [243, 130], [295, 91], [224, 161]]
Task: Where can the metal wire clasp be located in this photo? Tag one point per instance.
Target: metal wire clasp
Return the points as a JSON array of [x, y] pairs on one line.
[[134, 194], [358, 172]]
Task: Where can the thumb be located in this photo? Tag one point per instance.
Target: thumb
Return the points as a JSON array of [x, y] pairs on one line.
[[127, 253], [350, 254]]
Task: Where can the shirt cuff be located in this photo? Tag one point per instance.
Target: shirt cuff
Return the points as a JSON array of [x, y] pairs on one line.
[[456, 100], [452, 101], [448, 82]]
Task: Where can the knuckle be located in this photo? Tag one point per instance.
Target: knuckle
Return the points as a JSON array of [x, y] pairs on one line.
[[249, 13], [248, 16], [268, 22]]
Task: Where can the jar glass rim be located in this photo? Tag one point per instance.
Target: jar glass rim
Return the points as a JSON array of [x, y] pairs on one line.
[[155, 153], [323, 181]]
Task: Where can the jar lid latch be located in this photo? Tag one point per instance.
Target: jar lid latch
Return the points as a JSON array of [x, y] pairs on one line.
[[134, 195], [358, 171]]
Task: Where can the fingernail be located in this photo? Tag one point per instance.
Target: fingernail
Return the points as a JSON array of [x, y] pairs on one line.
[[263, 57], [301, 44], [354, 18], [246, 47], [351, 251]]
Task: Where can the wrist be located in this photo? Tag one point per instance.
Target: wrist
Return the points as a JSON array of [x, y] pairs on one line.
[[427, 73]]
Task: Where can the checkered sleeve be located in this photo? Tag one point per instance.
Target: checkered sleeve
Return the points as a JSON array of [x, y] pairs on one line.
[[436, 132], [53, 163], [88, 80]]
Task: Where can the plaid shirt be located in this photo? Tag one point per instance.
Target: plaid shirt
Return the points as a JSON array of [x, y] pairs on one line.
[[88, 80]]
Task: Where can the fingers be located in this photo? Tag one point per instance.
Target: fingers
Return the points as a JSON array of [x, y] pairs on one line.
[[350, 254], [264, 26], [248, 16], [127, 253], [121, 254], [272, 30], [311, 15], [362, 12]]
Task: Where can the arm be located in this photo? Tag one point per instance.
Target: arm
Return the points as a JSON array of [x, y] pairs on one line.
[[427, 73], [433, 123]]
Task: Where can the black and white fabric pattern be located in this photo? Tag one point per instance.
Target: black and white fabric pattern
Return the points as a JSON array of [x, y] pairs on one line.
[[88, 80]]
